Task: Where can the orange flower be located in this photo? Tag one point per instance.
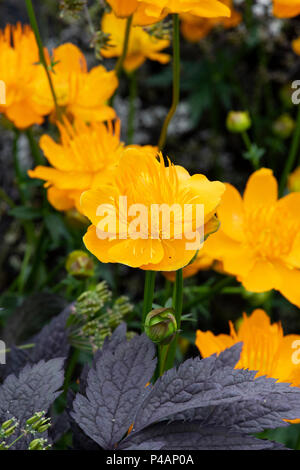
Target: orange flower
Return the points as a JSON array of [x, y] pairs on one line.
[[286, 8], [141, 45], [21, 75], [85, 158], [259, 238], [83, 94], [148, 12], [194, 28], [136, 238], [296, 46], [265, 348]]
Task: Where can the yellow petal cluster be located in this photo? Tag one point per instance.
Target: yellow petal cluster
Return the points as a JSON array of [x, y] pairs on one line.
[[21, 77], [194, 28], [149, 12], [259, 238], [145, 180], [286, 8], [265, 348], [85, 158], [141, 45]]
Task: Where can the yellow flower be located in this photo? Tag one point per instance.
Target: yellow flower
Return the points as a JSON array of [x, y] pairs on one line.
[[194, 28], [259, 238], [141, 46], [85, 158], [148, 12], [201, 263], [138, 238], [294, 180], [21, 75], [296, 45], [265, 348], [83, 94], [286, 8]]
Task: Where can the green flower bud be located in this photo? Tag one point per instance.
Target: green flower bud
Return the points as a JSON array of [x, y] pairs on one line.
[[161, 325], [238, 121], [35, 418], [37, 444], [284, 126], [43, 427], [8, 432], [7, 424], [80, 265]]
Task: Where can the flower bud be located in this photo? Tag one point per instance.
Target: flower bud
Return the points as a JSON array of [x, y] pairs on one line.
[[161, 325], [294, 181], [7, 424], [37, 444], [238, 121], [80, 265], [284, 126]]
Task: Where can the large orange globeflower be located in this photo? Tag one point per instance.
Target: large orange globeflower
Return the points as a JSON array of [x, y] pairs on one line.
[[149, 12], [141, 45], [286, 8], [259, 238], [140, 237], [85, 158], [194, 28], [21, 77], [82, 93], [265, 348]]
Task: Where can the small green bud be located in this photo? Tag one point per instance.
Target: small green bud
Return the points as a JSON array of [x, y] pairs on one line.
[[80, 265], [238, 121], [7, 424], [43, 427], [9, 431], [284, 126], [35, 418], [37, 444], [161, 325]]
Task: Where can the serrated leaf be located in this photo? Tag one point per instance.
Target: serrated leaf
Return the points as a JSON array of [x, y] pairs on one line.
[[202, 383], [193, 436], [35, 389], [114, 389]]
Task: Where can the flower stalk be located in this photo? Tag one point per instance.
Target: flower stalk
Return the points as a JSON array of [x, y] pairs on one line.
[[177, 306], [122, 57], [35, 28], [176, 81], [148, 294]]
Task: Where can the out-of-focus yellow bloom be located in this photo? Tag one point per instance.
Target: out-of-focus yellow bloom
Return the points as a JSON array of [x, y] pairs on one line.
[[83, 94], [21, 76], [259, 238], [294, 181], [201, 263], [296, 46], [85, 158], [141, 46], [148, 12], [194, 28], [138, 239], [265, 348], [286, 8]]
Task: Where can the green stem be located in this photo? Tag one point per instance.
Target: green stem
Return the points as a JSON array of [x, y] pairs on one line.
[[176, 81], [131, 113], [246, 140], [35, 28], [177, 306], [122, 57], [35, 150], [70, 369], [5, 197], [148, 294], [24, 346], [292, 156]]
